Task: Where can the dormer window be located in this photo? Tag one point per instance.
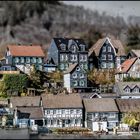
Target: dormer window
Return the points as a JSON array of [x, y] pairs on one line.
[[136, 90], [78, 69], [73, 48], [127, 89], [82, 47], [63, 47]]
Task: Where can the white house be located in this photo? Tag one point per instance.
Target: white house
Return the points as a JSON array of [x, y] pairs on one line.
[[62, 110]]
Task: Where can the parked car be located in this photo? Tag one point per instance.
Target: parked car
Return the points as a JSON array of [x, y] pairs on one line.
[[43, 129]]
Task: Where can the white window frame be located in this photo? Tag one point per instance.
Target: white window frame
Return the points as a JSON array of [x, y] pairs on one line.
[[136, 90], [62, 67], [75, 83], [39, 60], [103, 65], [127, 90], [82, 47], [63, 47], [73, 57], [110, 57], [104, 49], [77, 69], [27, 59], [112, 115], [109, 48], [73, 48], [82, 83], [74, 75], [103, 57], [16, 60], [81, 75], [22, 60]]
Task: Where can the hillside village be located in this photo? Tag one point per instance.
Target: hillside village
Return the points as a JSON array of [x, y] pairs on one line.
[[77, 87]]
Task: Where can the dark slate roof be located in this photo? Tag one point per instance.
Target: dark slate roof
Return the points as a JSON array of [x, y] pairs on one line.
[[127, 105], [116, 44], [62, 101], [25, 101], [100, 105], [34, 112], [65, 41]]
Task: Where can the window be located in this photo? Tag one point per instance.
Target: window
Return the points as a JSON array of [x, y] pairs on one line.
[[59, 111], [73, 48], [103, 65], [71, 111], [40, 67], [74, 75], [82, 47], [110, 65], [110, 57], [104, 49], [127, 90], [76, 121], [136, 90], [63, 111], [48, 111], [82, 83], [96, 115], [83, 57], [103, 57], [27, 60], [39, 60], [78, 69], [22, 59], [111, 115], [63, 47], [61, 57], [51, 122], [66, 66], [58, 122], [81, 75], [62, 66], [73, 57], [75, 83], [16, 60], [54, 111], [78, 111], [33, 60], [109, 49]]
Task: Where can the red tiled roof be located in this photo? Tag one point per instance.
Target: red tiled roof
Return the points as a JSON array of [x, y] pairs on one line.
[[22, 50], [127, 64]]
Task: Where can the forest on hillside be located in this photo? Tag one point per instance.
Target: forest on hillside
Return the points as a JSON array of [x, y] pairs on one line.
[[37, 22]]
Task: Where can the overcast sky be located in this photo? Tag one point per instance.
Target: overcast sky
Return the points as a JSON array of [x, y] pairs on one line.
[[121, 8]]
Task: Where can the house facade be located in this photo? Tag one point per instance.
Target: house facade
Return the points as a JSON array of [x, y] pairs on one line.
[[64, 110], [27, 111], [126, 106], [101, 113], [127, 90], [109, 52], [67, 51], [75, 78], [23, 57], [129, 68]]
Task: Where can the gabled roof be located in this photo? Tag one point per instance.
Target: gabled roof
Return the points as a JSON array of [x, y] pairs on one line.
[[65, 41], [116, 44], [34, 112], [25, 101], [71, 68], [127, 105], [126, 65], [100, 105], [62, 101], [22, 50]]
